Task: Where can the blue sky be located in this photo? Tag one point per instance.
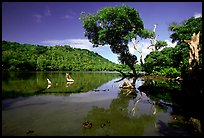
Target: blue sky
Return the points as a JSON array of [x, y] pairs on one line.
[[58, 23]]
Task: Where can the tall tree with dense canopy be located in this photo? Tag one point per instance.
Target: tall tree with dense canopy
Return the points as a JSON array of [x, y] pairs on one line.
[[182, 32], [115, 27]]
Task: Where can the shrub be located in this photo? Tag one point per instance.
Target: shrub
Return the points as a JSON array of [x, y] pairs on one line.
[[170, 72]]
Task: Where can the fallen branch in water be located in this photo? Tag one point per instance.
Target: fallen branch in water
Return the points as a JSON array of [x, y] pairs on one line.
[[120, 79], [126, 74], [96, 90]]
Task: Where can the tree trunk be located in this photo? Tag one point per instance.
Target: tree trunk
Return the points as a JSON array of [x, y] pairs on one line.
[[137, 49], [153, 40], [134, 74], [133, 70], [194, 51]]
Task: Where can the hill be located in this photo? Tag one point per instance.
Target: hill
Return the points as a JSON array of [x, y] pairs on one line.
[[27, 57]]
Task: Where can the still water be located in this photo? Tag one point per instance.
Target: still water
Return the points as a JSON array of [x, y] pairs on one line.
[[30, 107]]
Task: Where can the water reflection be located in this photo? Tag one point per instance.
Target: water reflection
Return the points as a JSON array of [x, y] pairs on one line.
[[120, 118], [69, 83], [131, 113], [14, 84], [110, 110]]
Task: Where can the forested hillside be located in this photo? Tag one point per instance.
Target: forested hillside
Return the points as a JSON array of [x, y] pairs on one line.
[[28, 57]]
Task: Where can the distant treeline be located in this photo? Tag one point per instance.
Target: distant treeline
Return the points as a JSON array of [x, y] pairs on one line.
[[27, 57]]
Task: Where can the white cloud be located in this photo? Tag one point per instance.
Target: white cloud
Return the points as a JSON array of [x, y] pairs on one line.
[[142, 46], [81, 43], [84, 44], [67, 17], [170, 44], [76, 43], [70, 14], [38, 18], [104, 51], [131, 48], [197, 15], [145, 51]]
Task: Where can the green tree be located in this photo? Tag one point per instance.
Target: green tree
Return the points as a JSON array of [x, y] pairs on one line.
[[184, 31], [162, 63], [192, 77], [115, 27], [174, 61], [159, 44]]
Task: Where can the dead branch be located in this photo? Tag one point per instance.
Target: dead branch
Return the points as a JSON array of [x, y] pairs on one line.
[[138, 50], [120, 79], [194, 50], [153, 40]]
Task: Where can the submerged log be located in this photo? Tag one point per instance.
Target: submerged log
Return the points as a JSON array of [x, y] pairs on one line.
[[127, 85], [196, 123]]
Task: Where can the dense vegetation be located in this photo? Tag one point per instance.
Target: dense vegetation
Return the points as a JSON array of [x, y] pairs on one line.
[[174, 61], [162, 62], [26, 57]]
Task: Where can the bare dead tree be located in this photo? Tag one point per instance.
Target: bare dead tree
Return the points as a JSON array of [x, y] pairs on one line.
[[194, 50], [138, 50], [153, 40]]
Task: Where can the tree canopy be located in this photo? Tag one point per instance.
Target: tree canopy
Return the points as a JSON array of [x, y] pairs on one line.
[[115, 27], [174, 61], [184, 31]]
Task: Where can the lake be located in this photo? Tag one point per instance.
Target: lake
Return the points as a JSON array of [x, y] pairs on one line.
[[31, 107]]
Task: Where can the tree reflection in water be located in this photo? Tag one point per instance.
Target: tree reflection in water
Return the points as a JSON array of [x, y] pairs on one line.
[[135, 113], [120, 119]]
